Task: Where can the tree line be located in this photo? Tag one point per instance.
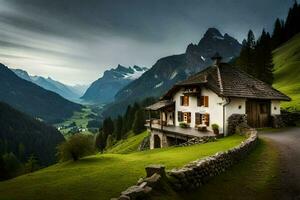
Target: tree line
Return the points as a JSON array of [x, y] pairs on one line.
[[256, 55], [113, 130]]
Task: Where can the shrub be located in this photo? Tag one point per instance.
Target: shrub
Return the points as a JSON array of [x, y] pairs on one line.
[[11, 165], [184, 125], [215, 126], [76, 147]]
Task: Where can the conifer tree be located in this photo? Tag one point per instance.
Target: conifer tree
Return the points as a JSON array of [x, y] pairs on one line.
[[278, 34], [139, 122]]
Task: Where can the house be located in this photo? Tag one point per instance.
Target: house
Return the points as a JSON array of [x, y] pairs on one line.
[[211, 97]]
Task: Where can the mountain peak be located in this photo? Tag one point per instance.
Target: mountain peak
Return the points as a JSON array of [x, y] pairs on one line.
[[212, 32]]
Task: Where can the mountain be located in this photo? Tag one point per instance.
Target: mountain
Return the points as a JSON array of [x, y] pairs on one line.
[[33, 99], [286, 61], [72, 93], [104, 89], [169, 70], [25, 136]]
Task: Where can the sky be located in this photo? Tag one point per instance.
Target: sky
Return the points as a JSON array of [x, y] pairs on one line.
[[75, 41]]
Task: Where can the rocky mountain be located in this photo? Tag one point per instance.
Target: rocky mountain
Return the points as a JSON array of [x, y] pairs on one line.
[[104, 89], [72, 93], [171, 69], [33, 99]]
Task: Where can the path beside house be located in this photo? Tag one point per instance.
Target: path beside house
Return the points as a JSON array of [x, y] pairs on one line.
[[288, 143]]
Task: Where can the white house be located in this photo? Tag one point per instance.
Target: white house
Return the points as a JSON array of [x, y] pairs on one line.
[[211, 97]]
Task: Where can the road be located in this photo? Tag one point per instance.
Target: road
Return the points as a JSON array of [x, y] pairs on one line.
[[288, 143]]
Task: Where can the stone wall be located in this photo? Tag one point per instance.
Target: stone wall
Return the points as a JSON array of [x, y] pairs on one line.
[[192, 175], [198, 172], [235, 120], [285, 119]]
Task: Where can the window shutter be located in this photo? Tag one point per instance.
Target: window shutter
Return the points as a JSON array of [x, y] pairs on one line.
[[202, 101], [179, 116], [198, 118], [198, 101], [206, 101], [189, 117], [181, 100], [207, 119], [187, 101]]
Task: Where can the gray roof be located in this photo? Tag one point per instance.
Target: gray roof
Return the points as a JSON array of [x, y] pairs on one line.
[[160, 104], [228, 81]]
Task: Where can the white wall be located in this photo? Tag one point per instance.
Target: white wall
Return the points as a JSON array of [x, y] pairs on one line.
[[275, 107], [214, 109]]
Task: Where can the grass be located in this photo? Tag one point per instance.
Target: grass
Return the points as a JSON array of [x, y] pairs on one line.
[[287, 70], [80, 118], [103, 176], [255, 177], [128, 145]]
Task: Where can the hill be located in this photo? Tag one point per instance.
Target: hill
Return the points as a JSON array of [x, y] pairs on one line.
[[35, 137], [287, 69], [104, 176], [129, 145], [105, 88], [32, 99], [68, 92]]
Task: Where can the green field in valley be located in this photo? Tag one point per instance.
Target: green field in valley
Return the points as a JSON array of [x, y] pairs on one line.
[[287, 72], [104, 176], [81, 120]]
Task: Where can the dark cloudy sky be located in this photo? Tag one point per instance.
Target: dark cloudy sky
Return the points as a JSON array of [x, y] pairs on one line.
[[74, 41]]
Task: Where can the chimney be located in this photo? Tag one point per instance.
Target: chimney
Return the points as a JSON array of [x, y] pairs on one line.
[[216, 59]]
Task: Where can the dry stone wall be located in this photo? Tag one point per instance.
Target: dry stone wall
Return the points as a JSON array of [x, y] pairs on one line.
[[192, 175], [198, 172]]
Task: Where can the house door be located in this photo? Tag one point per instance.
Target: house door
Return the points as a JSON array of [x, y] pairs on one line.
[[258, 113]]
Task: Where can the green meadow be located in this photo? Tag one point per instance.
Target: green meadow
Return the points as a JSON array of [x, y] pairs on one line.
[[105, 176]]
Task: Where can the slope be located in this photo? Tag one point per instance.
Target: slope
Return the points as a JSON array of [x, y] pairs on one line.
[[104, 176], [32, 99], [36, 137], [287, 72]]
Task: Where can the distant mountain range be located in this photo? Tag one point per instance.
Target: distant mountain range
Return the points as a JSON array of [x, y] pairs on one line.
[[72, 93], [105, 88], [33, 99], [169, 70]]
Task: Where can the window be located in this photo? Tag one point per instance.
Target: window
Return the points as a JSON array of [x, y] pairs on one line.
[[202, 101], [206, 119], [180, 117], [187, 117], [184, 100]]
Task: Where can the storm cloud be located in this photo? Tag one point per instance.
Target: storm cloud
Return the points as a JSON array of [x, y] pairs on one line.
[[74, 41]]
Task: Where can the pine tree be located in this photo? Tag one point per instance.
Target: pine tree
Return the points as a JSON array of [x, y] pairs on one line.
[[100, 141], [109, 141], [118, 128], [139, 122], [108, 127], [246, 58], [278, 34], [263, 58]]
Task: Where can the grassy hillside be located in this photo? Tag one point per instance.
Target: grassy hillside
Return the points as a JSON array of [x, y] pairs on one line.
[[103, 176], [128, 145], [287, 71]]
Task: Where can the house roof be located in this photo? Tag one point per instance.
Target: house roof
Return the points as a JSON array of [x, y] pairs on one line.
[[228, 81], [160, 104]]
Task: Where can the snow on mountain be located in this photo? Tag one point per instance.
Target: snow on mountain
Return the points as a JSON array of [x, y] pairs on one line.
[[104, 89]]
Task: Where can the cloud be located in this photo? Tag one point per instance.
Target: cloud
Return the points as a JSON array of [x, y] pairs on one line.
[[84, 38]]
